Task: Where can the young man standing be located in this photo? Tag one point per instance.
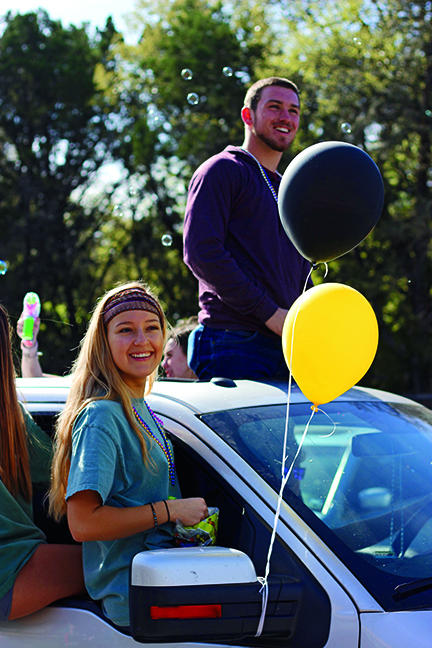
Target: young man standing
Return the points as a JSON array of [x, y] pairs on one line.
[[249, 272]]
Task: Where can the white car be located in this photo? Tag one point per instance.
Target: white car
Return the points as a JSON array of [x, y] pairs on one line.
[[351, 561]]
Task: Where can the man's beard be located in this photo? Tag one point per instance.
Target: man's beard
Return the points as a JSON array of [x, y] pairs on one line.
[[280, 148]]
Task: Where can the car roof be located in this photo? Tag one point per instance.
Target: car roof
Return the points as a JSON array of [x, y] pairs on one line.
[[201, 396]]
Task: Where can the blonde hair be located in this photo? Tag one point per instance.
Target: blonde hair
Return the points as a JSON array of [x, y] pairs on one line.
[[14, 452], [95, 377]]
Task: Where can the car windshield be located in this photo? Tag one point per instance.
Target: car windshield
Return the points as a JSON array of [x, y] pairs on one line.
[[364, 471]]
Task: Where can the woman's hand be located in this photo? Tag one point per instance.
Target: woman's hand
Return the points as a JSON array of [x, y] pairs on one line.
[[20, 330], [30, 366], [89, 519], [189, 511]]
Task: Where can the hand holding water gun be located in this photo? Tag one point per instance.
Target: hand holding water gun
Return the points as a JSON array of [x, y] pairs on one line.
[[28, 323]]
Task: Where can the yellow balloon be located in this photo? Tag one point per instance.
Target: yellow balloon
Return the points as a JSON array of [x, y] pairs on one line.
[[334, 342]]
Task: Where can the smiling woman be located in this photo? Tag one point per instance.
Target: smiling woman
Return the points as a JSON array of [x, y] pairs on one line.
[[114, 470], [136, 342]]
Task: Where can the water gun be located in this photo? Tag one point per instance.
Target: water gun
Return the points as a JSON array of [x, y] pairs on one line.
[[31, 310]]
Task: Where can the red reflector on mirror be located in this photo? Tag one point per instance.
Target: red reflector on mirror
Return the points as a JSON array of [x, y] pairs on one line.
[[186, 612]]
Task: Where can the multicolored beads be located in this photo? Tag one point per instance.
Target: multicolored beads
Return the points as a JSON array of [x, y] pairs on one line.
[[166, 448]]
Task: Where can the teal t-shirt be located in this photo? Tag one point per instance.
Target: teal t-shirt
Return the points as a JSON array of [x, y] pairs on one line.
[[19, 536], [107, 458]]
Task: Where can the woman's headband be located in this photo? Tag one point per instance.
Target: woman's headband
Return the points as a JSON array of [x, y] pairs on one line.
[[131, 299]]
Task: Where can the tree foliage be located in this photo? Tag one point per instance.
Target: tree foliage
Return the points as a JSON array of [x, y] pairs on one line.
[[67, 240], [365, 70], [71, 103], [169, 135], [55, 133]]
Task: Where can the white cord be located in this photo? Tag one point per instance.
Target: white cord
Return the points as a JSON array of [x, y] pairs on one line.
[[285, 477]]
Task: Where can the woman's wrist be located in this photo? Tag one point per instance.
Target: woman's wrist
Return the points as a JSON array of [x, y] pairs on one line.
[[167, 510], [29, 352], [155, 519], [160, 513]]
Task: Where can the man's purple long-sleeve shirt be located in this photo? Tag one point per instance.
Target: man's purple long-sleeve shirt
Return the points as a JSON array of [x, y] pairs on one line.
[[235, 245]]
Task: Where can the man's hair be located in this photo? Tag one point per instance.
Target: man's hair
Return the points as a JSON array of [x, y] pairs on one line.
[[253, 95]]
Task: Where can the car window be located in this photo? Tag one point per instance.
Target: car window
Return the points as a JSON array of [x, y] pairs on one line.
[[364, 471]]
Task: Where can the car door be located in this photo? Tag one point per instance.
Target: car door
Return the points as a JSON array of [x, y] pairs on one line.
[[318, 609]]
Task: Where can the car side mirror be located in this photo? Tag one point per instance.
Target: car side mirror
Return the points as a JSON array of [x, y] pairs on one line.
[[204, 594]]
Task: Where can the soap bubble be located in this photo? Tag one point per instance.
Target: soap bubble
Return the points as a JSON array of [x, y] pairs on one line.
[[428, 113], [227, 71], [118, 210], [166, 240], [346, 128], [356, 40], [153, 115], [187, 74], [3, 267], [132, 191], [193, 98]]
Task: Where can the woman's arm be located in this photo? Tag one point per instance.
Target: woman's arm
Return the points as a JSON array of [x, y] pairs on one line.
[[89, 519], [30, 366]]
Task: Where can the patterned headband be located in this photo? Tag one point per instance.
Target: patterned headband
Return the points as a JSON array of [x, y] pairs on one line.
[[131, 299]]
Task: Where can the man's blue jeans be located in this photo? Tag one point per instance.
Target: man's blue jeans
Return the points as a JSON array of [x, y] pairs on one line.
[[235, 354]]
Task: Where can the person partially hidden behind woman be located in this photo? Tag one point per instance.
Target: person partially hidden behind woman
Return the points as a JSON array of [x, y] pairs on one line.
[[113, 470], [174, 361], [32, 572]]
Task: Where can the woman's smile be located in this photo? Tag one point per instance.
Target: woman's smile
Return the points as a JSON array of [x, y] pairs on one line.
[[135, 339]]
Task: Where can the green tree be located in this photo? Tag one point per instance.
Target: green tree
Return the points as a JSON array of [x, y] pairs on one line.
[[56, 131], [70, 104], [365, 70], [169, 135]]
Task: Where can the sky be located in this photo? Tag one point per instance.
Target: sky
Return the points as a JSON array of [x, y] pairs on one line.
[[77, 11]]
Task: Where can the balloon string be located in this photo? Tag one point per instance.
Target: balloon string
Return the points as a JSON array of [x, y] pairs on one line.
[[314, 266], [292, 345], [324, 436], [291, 354], [285, 474], [285, 477]]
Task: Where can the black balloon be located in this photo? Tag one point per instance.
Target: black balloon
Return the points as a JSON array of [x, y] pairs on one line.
[[330, 198]]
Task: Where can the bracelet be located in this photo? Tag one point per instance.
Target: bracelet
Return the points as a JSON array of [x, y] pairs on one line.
[[154, 515], [30, 355], [167, 509]]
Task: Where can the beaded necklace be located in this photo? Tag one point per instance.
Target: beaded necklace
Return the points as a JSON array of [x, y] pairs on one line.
[[166, 449], [263, 173]]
